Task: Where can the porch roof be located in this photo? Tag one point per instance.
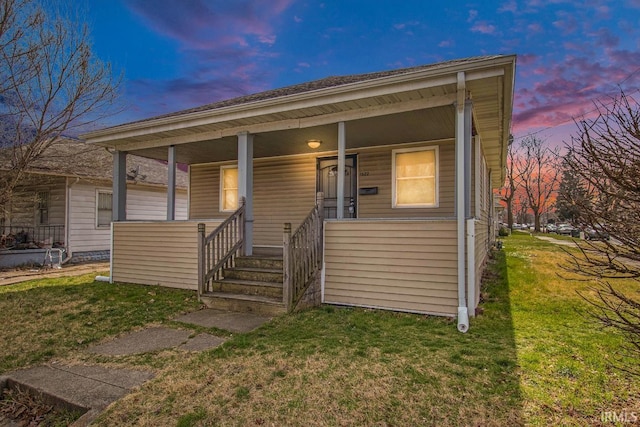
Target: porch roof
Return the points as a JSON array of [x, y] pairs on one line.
[[404, 105]]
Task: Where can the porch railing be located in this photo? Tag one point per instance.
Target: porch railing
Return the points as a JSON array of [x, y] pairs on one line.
[[219, 249], [15, 236], [302, 254]]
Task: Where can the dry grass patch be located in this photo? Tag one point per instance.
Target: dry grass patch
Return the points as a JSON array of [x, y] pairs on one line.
[[48, 318]]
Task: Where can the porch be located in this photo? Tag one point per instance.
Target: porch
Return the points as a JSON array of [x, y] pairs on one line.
[[405, 265]]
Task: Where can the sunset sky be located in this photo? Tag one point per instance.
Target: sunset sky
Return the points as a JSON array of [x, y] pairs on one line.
[[180, 54]]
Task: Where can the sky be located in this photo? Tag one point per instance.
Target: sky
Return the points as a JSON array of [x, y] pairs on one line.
[[175, 54]]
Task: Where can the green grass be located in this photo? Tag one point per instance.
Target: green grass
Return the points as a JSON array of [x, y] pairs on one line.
[[531, 358], [51, 318]]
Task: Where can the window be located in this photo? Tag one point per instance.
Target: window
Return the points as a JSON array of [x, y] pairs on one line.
[[228, 188], [104, 203], [415, 177], [42, 212]]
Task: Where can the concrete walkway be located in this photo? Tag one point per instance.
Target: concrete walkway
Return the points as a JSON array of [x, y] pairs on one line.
[[92, 388], [557, 241]]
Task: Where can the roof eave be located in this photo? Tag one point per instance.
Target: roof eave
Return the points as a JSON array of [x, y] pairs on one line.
[[277, 104]]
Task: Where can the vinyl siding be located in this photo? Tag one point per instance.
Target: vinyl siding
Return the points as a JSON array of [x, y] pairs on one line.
[[143, 203], [161, 253], [283, 191], [482, 241], [375, 170], [391, 264], [23, 203]]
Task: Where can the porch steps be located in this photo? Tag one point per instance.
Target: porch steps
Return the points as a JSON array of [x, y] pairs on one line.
[[253, 285]]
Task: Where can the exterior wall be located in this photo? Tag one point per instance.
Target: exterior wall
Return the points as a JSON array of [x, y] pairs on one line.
[[284, 189], [23, 202], [143, 203], [139, 258], [400, 265], [482, 234], [374, 170]]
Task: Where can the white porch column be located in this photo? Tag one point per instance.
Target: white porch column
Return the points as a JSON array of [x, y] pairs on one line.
[[342, 145], [171, 183], [119, 207], [463, 313], [245, 185]]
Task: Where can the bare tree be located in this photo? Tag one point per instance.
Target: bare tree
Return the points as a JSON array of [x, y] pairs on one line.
[[539, 173], [606, 157], [510, 188], [50, 84]]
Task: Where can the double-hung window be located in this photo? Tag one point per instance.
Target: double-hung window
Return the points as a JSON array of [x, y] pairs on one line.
[[228, 188], [415, 177], [42, 210]]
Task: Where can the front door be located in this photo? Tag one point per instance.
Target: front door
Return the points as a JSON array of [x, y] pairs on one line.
[[327, 182]]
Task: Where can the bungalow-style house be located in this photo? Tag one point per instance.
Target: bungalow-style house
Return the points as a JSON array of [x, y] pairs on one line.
[[370, 190], [65, 201]]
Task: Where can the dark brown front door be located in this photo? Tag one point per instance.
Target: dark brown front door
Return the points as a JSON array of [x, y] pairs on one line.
[[327, 182]]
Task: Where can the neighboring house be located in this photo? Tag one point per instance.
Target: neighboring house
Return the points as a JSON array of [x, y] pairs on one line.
[[65, 200], [406, 161]]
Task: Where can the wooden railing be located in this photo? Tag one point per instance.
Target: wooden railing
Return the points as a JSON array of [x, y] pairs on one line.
[[219, 249], [302, 254]]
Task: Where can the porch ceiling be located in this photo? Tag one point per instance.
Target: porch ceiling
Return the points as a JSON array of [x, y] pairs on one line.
[[416, 106], [420, 125]]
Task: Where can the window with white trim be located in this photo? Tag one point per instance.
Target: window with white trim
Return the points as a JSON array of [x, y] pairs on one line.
[[228, 188], [415, 177], [104, 208]]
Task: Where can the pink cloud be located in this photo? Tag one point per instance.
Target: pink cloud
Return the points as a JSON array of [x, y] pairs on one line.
[[534, 28], [509, 6], [483, 27], [568, 89], [221, 43]]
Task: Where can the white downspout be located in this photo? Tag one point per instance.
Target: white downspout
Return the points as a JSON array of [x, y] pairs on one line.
[[471, 266], [463, 313]]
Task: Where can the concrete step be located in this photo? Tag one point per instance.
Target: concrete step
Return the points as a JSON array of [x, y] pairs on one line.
[[254, 261], [254, 274], [248, 287], [262, 305]]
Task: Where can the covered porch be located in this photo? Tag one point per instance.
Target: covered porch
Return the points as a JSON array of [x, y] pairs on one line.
[[458, 114]]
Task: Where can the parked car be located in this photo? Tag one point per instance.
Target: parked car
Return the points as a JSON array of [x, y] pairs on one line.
[[564, 229], [596, 234], [551, 228]]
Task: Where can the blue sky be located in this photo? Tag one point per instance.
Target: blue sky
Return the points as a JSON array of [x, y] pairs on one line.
[[179, 54]]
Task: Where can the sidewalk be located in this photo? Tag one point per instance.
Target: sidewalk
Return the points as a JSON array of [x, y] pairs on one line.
[[92, 388], [10, 277]]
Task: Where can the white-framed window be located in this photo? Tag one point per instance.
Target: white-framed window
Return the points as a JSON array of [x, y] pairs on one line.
[[228, 188], [415, 177], [42, 207], [104, 208]]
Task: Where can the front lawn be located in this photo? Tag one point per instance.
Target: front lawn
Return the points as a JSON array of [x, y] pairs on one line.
[[531, 358], [53, 318]]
